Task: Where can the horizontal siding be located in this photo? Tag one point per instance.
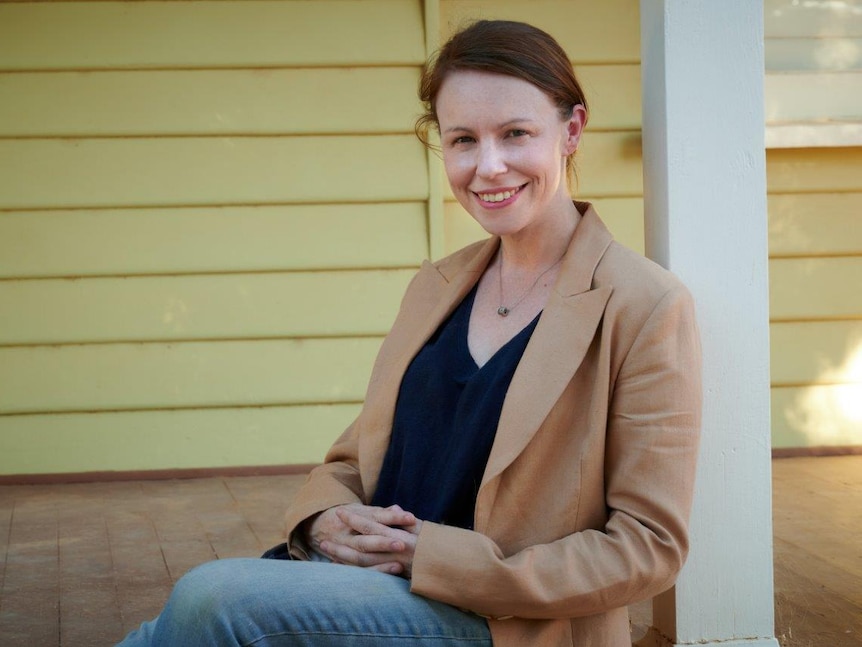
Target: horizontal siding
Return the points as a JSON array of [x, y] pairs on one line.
[[815, 224], [812, 54], [793, 19], [613, 94], [211, 239], [828, 96], [151, 440], [816, 170], [815, 306], [43, 379], [208, 214], [209, 102], [191, 171], [822, 352], [251, 33], [590, 32], [240, 102], [297, 304], [815, 288], [818, 415]]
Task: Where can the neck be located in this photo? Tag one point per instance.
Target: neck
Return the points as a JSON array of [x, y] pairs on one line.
[[536, 249]]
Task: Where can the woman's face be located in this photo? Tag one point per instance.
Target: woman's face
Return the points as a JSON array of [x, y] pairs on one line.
[[504, 149]]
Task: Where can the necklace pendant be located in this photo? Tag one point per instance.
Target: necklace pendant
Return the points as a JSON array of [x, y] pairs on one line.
[[503, 311]]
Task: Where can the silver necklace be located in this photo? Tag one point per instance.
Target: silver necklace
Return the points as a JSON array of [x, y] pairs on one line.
[[504, 311]]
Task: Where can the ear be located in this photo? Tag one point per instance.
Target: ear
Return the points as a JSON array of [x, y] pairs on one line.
[[574, 127]]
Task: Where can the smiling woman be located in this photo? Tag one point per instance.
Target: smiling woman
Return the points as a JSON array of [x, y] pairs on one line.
[[523, 464]]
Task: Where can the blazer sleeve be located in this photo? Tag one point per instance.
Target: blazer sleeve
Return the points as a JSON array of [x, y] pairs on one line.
[[651, 447]]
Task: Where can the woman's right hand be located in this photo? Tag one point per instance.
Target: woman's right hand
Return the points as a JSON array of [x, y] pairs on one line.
[[379, 546]]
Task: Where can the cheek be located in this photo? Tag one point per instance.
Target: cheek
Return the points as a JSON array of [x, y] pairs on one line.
[[457, 169]]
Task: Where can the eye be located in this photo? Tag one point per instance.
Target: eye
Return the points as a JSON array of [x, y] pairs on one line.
[[518, 132], [463, 139]]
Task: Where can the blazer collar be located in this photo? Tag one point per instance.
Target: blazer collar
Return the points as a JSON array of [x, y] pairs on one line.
[[556, 348]]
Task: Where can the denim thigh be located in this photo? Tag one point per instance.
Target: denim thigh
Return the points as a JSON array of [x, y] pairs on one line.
[[273, 603]]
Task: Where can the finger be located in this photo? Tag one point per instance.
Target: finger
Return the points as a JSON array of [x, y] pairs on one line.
[[348, 555], [360, 522]]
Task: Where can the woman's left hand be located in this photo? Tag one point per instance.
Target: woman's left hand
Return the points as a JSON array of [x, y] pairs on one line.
[[365, 525]]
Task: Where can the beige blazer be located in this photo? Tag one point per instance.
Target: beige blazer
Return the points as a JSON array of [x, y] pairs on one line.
[[584, 504]]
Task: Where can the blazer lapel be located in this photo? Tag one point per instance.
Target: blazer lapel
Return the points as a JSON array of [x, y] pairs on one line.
[[557, 347], [433, 296]]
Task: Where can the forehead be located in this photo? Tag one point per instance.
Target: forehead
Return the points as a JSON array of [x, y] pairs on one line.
[[472, 95]]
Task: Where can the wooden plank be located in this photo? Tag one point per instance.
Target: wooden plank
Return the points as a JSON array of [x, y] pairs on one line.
[[590, 32], [154, 440], [827, 96], [816, 352], [817, 415], [211, 239], [814, 170], [815, 288], [192, 374], [813, 54], [613, 94], [608, 165], [197, 171], [252, 33], [209, 102], [623, 216], [295, 304], [815, 224], [791, 18]]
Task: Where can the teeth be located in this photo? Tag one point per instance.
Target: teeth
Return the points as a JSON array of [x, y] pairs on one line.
[[497, 197]]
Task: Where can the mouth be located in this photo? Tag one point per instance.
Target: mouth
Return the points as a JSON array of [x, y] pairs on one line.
[[499, 196]]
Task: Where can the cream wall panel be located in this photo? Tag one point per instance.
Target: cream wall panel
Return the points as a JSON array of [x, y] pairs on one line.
[[813, 96], [791, 18], [590, 32], [814, 170], [811, 54], [815, 288], [608, 165], [150, 440], [296, 304], [816, 352], [43, 379], [212, 239], [98, 35], [202, 102], [613, 95], [815, 224], [41, 173], [821, 415]]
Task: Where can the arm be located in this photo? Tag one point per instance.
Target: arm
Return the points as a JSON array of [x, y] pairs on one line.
[[651, 445]]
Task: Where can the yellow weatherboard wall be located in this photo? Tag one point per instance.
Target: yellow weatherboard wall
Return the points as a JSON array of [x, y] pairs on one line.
[[209, 212]]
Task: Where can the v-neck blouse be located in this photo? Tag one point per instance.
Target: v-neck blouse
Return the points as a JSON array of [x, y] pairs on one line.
[[445, 422]]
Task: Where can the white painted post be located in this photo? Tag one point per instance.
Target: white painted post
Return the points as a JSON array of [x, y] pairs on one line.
[[705, 199]]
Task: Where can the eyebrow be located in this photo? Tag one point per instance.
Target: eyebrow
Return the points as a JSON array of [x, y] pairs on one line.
[[516, 120]]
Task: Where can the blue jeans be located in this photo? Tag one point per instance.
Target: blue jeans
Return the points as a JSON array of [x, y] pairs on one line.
[[271, 603]]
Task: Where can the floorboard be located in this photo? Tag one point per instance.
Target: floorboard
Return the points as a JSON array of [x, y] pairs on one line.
[[83, 564]]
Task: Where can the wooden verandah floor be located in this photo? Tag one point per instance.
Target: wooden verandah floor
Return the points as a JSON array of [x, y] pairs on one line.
[[83, 564]]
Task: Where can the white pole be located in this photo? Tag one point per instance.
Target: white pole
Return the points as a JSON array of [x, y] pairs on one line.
[[705, 200]]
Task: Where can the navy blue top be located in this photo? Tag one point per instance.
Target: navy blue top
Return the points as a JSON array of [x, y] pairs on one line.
[[445, 421]]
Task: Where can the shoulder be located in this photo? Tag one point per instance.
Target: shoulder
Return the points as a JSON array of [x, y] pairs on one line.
[[455, 262], [643, 291]]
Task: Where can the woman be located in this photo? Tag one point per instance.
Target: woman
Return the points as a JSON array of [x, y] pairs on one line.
[[522, 467]]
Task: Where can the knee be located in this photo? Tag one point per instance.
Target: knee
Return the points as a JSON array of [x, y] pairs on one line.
[[208, 592]]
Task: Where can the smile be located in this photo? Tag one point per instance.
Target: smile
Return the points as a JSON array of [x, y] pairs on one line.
[[499, 196]]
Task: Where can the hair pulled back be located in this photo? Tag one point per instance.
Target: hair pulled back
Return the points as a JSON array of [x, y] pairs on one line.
[[502, 47]]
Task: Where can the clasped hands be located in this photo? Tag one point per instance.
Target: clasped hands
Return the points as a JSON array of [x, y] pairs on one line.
[[383, 539]]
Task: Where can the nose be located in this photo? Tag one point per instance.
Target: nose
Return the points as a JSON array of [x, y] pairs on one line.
[[490, 162]]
